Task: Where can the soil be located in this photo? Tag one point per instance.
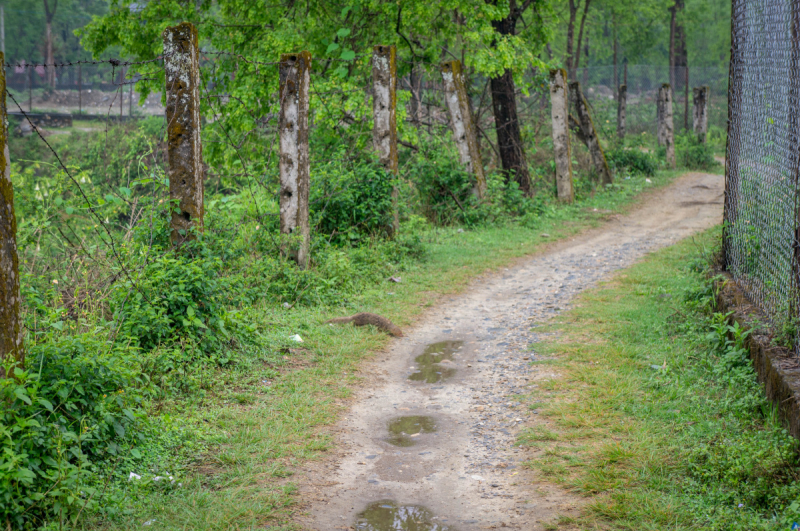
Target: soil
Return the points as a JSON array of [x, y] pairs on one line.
[[461, 469]]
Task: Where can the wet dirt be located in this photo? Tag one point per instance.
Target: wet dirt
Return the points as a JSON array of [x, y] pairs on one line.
[[405, 431], [435, 363], [388, 515], [468, 471]]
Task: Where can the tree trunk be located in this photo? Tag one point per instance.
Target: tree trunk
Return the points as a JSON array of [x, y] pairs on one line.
[[580, 37], [614, 37], [509, 137], [504, 105], [569, 60], [50, 71], [674, 11]]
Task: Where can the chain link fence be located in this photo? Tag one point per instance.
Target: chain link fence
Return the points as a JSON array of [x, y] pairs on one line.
[[761, 209]]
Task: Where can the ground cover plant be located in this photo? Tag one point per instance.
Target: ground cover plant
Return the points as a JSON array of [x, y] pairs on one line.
[[672, 430], [158, 381]]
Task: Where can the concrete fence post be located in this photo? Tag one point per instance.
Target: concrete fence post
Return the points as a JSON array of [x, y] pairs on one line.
[[295, 80], [184, 150], [559, 112], [384, 105], [700, 114], [11, 346], [589, 133], [666, 129], [466, 137], [622, 106]]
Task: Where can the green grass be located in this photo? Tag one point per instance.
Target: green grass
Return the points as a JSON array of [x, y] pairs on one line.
[[657, 418], [266, 416]]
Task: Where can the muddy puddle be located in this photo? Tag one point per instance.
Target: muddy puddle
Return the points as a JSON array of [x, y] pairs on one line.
[[404, 430], [435, 363], [388, 515]]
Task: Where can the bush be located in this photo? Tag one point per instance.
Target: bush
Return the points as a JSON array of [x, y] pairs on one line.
[[693, 154], [634, 161], [351, 201], [71, 415], [179, 297]]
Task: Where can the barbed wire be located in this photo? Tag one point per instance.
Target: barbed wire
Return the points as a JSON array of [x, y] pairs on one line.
[[89, 204]]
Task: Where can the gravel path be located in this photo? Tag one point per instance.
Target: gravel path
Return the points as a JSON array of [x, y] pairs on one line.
[[456, 468]]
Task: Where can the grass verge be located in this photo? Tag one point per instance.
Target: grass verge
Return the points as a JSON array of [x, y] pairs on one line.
[[268, 414], [657, 417]]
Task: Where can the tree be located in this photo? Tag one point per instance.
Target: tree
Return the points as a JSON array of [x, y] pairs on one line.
[[677, 44], [493, 38], [573, 58], [504, 105], [49, 14]]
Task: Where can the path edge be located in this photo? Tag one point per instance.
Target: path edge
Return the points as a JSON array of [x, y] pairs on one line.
[[778, 368]]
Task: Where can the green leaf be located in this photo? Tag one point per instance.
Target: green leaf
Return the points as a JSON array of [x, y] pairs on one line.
[[342, 33], [69, 210], [332, 47], [341, 71], [59, 325], [136, 453], [190, 311], [59, 201], [47, 404], [125, 191], [348, 55], [20, 393]]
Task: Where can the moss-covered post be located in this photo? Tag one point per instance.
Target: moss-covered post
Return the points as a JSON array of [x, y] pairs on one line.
[[622, 107], [559, 113], [700, 114], [384, 105], [455, 93], [666, 129], [295, 80], [11, 345], [184, 150], [589, 133]]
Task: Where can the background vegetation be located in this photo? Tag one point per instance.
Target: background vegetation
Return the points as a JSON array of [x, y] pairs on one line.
[[144, 365]]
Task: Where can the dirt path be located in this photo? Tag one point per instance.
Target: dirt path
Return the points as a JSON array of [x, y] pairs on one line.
[[456, 468]]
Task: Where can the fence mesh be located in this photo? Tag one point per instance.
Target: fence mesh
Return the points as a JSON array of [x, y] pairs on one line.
[[761, 209]]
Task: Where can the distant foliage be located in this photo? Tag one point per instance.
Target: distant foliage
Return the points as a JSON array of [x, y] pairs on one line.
[[634, 161]]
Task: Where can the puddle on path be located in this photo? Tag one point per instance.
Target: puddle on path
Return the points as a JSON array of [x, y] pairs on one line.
[[388, 515], [431, 368], [403, 430]]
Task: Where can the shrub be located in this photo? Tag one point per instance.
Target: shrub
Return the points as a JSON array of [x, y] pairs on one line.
[[74, 407], [351, 201], [634, 161], [178, 297], [692, 154]]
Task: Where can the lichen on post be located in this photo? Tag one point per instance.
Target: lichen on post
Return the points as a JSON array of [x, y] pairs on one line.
[[622, 107], [700, 114], [184, 150], [559, 113], [11, 344], [666, 130], [461, 122], [589, 133], [295, 80], [384, 105]]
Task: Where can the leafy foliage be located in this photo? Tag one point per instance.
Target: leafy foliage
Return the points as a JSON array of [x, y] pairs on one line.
[[634, 161], [74, 411]]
